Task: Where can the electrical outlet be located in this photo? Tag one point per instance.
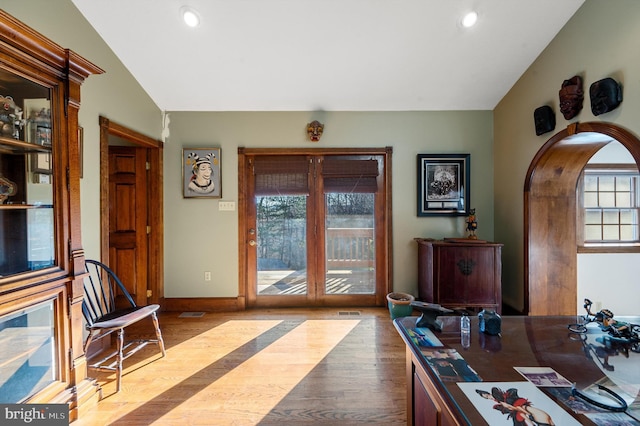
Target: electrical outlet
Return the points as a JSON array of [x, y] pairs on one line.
[[207, 275], [226, 206]]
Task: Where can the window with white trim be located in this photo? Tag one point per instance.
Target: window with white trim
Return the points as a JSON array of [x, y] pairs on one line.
[[611, 203]]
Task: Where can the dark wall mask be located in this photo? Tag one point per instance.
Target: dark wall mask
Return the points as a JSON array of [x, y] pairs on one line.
[[606, 95], [545, 119], [571, 97]]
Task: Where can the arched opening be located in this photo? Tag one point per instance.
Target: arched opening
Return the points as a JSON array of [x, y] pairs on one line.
[[550, 213]]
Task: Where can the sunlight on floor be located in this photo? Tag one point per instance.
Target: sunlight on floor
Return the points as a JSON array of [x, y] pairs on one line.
[[266, 375], [245, 330]]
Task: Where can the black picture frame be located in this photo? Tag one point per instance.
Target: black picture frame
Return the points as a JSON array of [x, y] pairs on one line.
[[443, 184]]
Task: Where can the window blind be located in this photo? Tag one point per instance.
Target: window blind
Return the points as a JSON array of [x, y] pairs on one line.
[[281, 175], [349, 175]]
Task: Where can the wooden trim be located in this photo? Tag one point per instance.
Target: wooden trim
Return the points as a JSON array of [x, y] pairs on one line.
[[384, 267], [609, 249], [550, 261], [204, 304], [155, 272]]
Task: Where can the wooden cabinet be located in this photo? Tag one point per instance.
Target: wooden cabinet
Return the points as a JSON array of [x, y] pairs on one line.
[[41, 257], [460, 274]]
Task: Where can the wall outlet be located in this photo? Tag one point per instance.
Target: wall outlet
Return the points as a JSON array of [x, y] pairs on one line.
[[226, 206], [207, 275]]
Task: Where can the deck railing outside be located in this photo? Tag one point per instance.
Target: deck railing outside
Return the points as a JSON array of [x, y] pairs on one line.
[[350, 248]]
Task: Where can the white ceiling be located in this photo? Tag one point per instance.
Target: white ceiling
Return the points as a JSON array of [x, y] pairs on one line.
[[331, 55]]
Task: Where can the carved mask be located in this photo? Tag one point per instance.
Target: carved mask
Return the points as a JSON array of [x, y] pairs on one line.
[[571, 97], [606, 95], [314, 130]]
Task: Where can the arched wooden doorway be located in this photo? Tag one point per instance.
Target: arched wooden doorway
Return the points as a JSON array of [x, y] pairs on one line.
[[550, 213]]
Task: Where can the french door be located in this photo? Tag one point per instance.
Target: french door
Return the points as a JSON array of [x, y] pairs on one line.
[[314, 227]]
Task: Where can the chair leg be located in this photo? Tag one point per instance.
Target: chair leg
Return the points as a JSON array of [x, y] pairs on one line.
[[156, 324], [119, 355]]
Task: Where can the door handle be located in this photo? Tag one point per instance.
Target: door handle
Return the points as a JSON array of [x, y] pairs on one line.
[[252, 243]]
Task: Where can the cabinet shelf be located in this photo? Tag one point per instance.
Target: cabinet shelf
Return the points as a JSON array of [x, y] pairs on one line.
[[12, 146], [25, 206]]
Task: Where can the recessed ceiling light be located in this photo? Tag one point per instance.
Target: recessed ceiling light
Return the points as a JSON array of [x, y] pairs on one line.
[[470, 19], [190, 17]]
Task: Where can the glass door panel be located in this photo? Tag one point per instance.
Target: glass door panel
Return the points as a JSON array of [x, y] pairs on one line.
[[28, 357], [26, 176], [282, 245], [350, 243]]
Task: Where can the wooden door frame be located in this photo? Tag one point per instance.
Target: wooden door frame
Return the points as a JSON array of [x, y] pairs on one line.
[[155, 259], [550, 214], [385, 234]]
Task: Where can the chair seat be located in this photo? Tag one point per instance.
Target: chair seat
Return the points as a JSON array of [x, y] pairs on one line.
[[124, 317]]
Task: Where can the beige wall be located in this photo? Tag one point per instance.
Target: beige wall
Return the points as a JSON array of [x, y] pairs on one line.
[[115, 95], [200, 238], [599, 41]]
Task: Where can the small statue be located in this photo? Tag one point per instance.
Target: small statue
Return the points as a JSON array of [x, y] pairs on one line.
[[472, 225]]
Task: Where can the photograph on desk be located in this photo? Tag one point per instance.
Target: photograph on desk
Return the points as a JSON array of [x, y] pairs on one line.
[[543, 376], [515, 403], [424, 337], [450, 366]]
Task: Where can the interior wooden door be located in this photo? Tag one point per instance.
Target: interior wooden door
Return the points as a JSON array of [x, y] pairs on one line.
[[128, 246]]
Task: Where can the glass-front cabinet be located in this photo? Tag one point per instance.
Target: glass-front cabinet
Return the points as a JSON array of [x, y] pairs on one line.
[[27, 233], [41, 255]]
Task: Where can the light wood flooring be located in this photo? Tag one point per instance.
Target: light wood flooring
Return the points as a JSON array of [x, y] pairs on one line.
[[329, 366]]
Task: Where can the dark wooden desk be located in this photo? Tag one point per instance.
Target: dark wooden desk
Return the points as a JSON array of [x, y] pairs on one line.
[[525, 342]]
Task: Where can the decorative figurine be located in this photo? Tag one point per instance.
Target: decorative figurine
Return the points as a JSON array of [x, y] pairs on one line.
[[618, 332], [430, 312], [472, 225], [605, 95], [571, 97], [7, 189], [314, 130], [489, 322]]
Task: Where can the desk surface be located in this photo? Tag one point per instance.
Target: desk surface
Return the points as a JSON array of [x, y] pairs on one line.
[[528, 342]]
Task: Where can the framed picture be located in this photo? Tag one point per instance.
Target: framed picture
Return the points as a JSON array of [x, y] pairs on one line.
[[41, 163], [443, 184], [201, 177], [43, 135]]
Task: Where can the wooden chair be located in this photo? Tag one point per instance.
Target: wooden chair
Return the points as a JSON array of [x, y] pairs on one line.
[[104, 295]]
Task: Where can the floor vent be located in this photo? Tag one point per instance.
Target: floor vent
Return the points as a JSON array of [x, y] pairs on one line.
[[191, 315], [341, 313]]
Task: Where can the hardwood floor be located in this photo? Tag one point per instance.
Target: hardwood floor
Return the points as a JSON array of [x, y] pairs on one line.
[[329, 366]]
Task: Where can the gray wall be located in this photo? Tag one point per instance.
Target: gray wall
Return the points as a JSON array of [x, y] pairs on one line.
[[200, 238], [599, 41]]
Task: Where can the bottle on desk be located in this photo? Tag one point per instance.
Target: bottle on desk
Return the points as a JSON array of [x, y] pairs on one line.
[[465, 331]]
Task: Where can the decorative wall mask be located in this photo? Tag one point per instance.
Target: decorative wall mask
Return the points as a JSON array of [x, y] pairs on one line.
[[571, 97], [606, 95], [545, 119], [314, 130]]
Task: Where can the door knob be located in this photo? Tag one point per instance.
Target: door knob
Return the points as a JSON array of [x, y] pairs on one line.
[[252, 243]]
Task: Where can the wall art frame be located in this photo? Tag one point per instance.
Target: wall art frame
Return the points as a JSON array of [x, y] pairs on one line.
[[201, 173], [443, 184]]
